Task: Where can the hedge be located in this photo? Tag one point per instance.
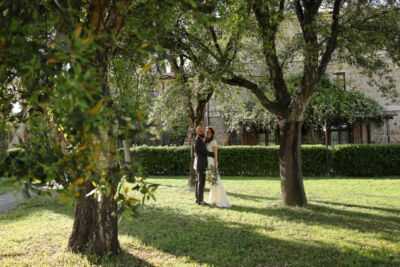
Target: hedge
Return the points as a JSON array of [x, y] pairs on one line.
[[163, 160], [345, 160], [367, 160], [16, 163]]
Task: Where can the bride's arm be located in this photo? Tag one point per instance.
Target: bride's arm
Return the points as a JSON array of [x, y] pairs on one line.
[[215, 150]]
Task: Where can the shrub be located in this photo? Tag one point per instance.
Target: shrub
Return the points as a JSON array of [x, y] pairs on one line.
[[16, 164], [233, 160], [163, 160], [248, 160], [367, 160], [346, 160]]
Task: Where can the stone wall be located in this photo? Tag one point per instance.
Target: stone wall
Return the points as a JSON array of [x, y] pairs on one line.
[[357, 81], [216, 120]]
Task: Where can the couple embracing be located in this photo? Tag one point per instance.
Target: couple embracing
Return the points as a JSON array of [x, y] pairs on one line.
[[206, 158]]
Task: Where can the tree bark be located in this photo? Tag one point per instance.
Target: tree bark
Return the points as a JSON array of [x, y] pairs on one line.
[[192, 174], [95, 229], [198, 120], [290, 163]]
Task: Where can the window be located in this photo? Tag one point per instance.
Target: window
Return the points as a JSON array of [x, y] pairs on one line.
[[339, 80], [340, 134]]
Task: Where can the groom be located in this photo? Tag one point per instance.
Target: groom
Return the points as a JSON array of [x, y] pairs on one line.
[[200, 164]]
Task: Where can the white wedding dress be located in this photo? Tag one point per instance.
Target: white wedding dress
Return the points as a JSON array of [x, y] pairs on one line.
[[217, 192]]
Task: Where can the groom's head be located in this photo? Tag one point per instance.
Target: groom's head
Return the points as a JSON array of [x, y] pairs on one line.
[[200, 131]]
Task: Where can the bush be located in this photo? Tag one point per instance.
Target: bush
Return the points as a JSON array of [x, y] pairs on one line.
[[163, 160], [233, 160], [18, 164], [248, 160], [367, 160], [346, 160]]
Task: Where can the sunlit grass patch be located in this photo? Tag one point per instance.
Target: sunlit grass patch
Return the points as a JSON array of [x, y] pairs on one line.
[[348, 222]]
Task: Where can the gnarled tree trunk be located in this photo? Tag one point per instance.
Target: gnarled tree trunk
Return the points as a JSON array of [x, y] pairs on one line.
[[290, 163], [95, 229]]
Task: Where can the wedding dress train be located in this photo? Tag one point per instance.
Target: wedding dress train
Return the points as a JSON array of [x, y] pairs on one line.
[[218, 194]]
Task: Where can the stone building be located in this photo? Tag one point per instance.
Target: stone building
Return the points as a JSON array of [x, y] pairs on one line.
[[385, 128]]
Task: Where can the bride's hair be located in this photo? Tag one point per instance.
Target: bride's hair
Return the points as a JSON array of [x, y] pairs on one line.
[[213, 132]]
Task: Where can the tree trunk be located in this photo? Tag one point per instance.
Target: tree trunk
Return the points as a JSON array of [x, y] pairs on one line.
[[290, 163], [192, 172], [95, 229]]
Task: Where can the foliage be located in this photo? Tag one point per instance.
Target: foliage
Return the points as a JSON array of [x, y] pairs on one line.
[[170, 110], [347, 160], [349, 222], [37, 159], [366, 160], [132, 97], [293, 36], [240, 109], [329, 104], [4, 133], [370, 41], [163, 160], [333, 105], [77, 97], [234, 160]]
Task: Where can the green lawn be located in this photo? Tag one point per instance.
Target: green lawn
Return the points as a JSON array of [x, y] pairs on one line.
[[5, 186], [348, 222]]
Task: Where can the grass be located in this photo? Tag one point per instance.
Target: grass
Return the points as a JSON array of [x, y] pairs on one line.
[[348, 222], [5, 186]]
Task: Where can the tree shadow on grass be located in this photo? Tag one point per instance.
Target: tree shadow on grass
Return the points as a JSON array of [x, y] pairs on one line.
[[124, 258], [395, 211], [233, 178], [324, 215], [250, 178], [250, 197], [209, 240], [349, 178], [34, 205]]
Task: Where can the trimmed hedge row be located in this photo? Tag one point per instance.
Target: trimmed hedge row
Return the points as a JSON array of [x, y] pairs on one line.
[[345, 160], [16, 163], [367, 160], [163, 160]]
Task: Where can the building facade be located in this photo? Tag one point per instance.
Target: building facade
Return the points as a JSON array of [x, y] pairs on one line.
[[383, 128]]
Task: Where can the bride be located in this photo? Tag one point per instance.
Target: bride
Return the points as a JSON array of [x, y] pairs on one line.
[[217, 191]]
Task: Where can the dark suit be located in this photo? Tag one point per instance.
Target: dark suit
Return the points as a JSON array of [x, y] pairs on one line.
[[201, 153]]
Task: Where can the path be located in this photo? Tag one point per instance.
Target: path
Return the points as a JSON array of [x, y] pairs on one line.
[[9, 200]]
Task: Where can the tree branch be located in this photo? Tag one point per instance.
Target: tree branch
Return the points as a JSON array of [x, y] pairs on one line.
[[96, 13], [215, 40], [199, 43], [332, 40], [257, 91], [268, 34], [117, 15], [281, 5], [299, 11]]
